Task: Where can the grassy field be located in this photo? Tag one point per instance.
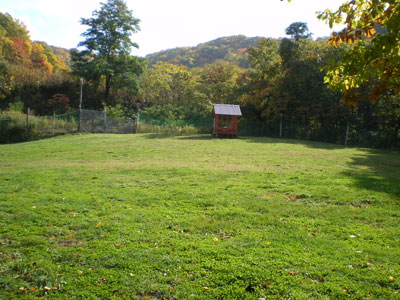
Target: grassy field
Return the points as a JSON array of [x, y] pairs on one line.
[[192, 217]]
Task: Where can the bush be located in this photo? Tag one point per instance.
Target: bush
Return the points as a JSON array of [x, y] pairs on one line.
[[171, 128], [17, 106], [13, 126], [174, 112]]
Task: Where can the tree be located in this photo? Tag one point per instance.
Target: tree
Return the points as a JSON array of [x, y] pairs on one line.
[[108, 46], [264, 57], [289, 51], [298, 30], [11, 28], [372, 28], [258, 84], [273, 86], [168, 84], [306, 98], [218, 81], [5, 81], [29, 71], [170, 93]]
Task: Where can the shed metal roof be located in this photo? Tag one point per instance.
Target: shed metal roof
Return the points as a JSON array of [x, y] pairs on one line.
[[227, 109]]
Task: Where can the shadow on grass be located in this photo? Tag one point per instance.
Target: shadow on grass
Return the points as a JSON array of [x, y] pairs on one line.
[[44, 137], [374, 169], [268, 140], [200, 137], [377, 170], [153, 136], [310, 144]]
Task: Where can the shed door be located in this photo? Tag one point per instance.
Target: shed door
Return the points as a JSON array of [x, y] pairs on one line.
[[225, 121]]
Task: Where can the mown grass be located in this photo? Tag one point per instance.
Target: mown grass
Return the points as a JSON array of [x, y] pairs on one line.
[[192, 217]]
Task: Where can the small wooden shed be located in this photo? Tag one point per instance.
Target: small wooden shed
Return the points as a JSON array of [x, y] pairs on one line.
[[225, 119]]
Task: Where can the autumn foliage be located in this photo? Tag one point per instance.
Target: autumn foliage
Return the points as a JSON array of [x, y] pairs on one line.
[[372, 28], [22, 60]]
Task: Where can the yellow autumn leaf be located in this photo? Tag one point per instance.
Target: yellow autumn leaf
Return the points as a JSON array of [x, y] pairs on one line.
[[391, 278], [350, 40], [98, 224], [372, 31]]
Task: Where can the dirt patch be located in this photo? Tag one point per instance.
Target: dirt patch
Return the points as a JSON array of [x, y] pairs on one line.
[[70, 243]]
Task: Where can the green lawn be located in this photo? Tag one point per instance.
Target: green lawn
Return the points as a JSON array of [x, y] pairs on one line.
[[192, 217]]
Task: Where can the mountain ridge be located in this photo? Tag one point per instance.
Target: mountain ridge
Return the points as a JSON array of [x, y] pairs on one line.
[[229, 48]]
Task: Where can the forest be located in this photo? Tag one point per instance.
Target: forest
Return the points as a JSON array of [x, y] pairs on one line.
[[291, 79]]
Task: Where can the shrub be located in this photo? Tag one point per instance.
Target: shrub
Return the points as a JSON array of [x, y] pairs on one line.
[[14, 129]]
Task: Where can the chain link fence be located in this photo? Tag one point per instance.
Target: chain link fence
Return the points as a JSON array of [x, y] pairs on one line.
[[17, 127], [150, 125], [346, 134], [98, 122]]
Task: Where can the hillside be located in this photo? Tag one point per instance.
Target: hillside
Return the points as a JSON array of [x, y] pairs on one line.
[[24, 60], [231, 49], [62, 53]]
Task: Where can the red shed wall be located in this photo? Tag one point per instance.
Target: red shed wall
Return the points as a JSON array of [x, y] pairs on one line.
[[228, 131]]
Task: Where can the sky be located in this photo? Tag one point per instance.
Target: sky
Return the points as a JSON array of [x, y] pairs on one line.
[[167, 24]]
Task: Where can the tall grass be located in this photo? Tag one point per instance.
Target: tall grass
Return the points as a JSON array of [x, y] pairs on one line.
[[16, 126], [166, 129], [148, 125]]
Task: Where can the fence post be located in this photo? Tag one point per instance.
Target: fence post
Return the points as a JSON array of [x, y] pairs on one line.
[[347, 135], [91, 121], [105, 119], [137, 121], [54, 120], [280, 126], [27, 123], [80, 104], [79, 120]]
